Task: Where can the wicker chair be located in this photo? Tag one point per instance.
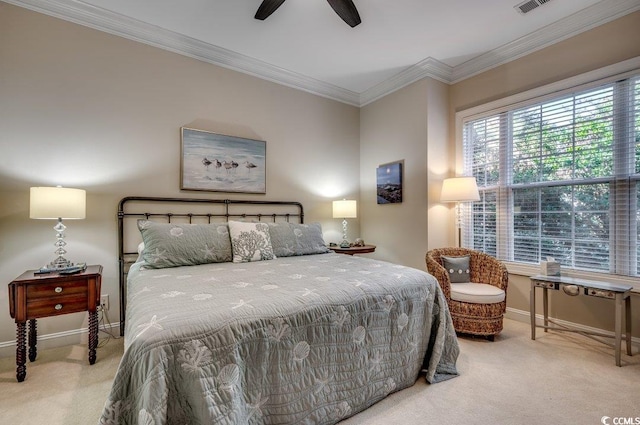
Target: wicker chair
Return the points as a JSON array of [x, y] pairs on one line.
[[475, 318]]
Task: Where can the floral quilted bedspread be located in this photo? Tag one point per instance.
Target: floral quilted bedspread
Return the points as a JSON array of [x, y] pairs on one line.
[[311, 339]]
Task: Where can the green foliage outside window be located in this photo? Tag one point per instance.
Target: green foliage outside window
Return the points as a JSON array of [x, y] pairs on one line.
[[560, 178]]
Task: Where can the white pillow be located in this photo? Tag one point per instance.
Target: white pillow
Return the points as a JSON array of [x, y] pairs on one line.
[[140, 251], [250, 242]]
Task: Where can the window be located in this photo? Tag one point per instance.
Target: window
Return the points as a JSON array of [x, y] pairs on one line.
[[559, 176]]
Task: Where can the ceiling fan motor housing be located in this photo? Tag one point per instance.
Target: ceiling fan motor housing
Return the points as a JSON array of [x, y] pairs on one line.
[[344, 8]]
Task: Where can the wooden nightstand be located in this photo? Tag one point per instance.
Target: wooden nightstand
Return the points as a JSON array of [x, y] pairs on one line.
[[353, 249], [32, 296]]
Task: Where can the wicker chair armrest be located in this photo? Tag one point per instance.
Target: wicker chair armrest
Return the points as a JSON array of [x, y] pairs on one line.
[[486, 269], [441, 275]]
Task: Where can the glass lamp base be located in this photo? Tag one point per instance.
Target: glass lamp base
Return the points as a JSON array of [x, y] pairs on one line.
[[59, 263], [345, 243]]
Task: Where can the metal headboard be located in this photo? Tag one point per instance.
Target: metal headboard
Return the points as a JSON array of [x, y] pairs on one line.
[[132, 208]]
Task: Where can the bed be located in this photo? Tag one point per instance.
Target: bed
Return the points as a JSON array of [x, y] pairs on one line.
[[306, 336]]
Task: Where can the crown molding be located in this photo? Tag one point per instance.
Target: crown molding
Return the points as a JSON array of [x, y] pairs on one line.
[[591, 17], [132, 29], [100, 19], [584, 20], [428, 67]]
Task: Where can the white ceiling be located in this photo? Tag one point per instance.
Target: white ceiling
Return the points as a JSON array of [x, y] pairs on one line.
[[304, 44]]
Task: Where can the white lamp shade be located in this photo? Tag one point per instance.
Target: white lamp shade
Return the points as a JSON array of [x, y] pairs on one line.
[[344, 209], [57, 202], [459, 189]]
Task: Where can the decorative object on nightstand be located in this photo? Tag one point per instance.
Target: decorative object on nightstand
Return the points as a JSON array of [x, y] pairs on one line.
[[33, 295], [344, 209], [364, 249], [57, 203], [459, 190]]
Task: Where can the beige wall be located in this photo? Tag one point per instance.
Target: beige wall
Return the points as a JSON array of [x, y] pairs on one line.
[[82, 108], [440, 165], [86, 109], [408, 125], [605, 45], [597, 48], [394, 128]]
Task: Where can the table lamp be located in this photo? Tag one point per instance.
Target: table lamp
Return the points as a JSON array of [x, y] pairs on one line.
[[57, 203], [344, 209], [459, 190]]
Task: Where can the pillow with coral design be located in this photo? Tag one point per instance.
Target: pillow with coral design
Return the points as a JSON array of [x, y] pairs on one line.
[[250, 242]]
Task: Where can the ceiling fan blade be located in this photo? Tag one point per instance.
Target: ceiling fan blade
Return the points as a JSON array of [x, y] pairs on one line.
[[347, 11], [267, 8]]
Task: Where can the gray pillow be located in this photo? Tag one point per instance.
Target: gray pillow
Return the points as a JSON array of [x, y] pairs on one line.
[[289, 239], [172, 245], [457, 268], [250, 242]]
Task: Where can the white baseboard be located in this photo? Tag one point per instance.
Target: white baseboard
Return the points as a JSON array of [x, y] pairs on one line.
[[58, 339], [523, 316]]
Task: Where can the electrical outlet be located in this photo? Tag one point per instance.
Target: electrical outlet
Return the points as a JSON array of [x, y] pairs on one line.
[[104, 302]]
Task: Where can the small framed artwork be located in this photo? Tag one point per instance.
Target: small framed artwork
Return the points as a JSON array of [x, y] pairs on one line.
[[389, 183], [219, 163]]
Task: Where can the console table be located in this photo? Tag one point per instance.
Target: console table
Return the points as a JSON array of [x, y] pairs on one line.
[[619, 292]]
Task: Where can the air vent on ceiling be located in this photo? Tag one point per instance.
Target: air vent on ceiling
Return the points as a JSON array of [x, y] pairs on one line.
[[529, 5]]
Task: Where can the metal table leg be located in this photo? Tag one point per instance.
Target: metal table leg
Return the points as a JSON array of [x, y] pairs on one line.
[[532, 310], [545, 304], [618, 327], [627, 327]]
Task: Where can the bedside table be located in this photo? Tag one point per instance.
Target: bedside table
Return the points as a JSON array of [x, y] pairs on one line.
[[32, 296], [353, 249]]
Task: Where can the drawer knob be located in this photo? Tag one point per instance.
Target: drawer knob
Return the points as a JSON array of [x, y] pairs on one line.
[[58, 289], [58, 307]]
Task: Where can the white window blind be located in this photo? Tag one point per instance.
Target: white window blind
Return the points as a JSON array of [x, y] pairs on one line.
[[559, 177]]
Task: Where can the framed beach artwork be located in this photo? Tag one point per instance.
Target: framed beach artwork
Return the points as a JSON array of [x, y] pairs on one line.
[[219, 163], [389, 183]]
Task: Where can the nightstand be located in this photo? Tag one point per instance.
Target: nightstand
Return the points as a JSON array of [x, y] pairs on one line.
[[32, 296], [353, 249]]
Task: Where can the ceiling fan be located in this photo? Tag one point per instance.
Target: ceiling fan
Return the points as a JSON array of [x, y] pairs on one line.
[[344, 8]]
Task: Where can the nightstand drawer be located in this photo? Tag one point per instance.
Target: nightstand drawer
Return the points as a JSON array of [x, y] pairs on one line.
[[54, 306], [61, 289]]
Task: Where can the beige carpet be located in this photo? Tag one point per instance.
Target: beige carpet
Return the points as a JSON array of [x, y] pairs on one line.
[[557, 379]]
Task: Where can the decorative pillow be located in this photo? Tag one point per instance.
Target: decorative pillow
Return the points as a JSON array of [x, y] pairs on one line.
[[290, 239], [250, 242], [140, 252], [172, 245], [458, 268]]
